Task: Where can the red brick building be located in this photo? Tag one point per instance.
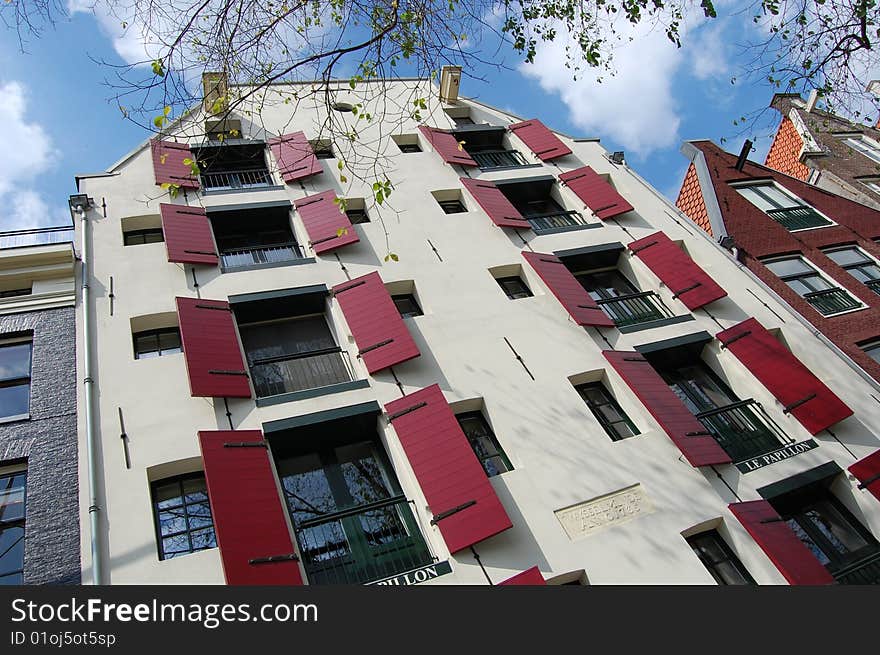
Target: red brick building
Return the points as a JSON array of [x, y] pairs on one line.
[[816, 250]]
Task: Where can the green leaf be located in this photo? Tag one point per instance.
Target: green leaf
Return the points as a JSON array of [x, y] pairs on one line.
[[159, 121], [343, 179], [166, 111], [340, 164], [158, 69], [394, 257], [342, 231]]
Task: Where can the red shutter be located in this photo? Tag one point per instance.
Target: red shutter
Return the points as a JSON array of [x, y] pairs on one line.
[[295, 157], [248, 516], [460, 496], [803, 394], [686, 432], [793, 559], [447, 146], [687, 281], [381, 335], [579, 304], [210, 346], [867, 472], [168, 164], [539, 139], [530, 576], [596, 193], [324, 220], [188, 235], [494, 203]]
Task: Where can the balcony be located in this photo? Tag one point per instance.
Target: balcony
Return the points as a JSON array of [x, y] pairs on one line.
[[258, 255], [362, 544], [798, 218], [282, 374], [864, 571], [559, 220], [831, 301], [236, 179], [487, 159], [743, 429], [634, 308], [873, 285]]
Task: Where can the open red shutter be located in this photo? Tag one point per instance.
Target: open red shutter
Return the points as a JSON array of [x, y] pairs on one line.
[[539, 139], [494, 203], [530, 576], [597, 194], [577, 302], [686, 432], [324, 220], [447, 146], [867, 472], [295, 157], [687, 281], [187, 233], [460, 496], [802, 394], [249, 522], [168, 164], [381, 336], [793, 559], [210, 346]]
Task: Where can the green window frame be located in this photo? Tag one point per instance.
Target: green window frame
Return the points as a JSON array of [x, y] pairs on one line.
[[182, 515], [607, 411], [719, 558], [484, 443]]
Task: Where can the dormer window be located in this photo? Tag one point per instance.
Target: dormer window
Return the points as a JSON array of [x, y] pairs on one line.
[[790, 212], [864, 145]]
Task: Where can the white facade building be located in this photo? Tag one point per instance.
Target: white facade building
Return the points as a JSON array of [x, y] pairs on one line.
[[314, 480]]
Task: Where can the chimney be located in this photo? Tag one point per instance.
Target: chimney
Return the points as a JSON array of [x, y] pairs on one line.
[[450, 78], [874, 89], [743, 155], [216, 91], [811, 101]]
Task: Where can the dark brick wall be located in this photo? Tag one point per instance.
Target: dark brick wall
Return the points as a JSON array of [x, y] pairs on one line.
[[48, 443]]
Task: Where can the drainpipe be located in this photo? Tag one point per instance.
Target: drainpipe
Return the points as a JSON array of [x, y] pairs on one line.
[[80, 204]]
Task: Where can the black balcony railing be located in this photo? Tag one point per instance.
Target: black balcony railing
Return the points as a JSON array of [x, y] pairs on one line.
[[798, 218], [555, 220], [498, 158], [296, 372], [864, 571], [873, 285], [831, 301], [264, 254], [363, 544], [634, 308], [242, 179], [743, 429]]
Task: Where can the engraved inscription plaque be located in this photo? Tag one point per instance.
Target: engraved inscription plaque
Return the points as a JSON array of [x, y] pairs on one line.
[[591, 516]]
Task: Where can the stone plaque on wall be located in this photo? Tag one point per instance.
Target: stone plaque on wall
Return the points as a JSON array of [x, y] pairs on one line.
[[591, 516]]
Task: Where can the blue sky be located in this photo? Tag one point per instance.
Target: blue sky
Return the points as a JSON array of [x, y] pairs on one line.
[[59, 122]]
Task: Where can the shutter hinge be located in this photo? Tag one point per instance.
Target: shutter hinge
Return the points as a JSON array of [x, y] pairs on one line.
[[450, 512], [375, 346], [701, 433], [641, 248], [550, 261], [200, 252], [304, 204], [290, 557], [223, 372], [601, 209], [222, 309], [776, 520], [515, 128], [191, 212], [588, 307], [402, 412], [336, 292], [788, 408], [634, 359], [724, 344], [324, 240], [681, 292], [572, 179], [245, 444], [864, 484], [544, 152]]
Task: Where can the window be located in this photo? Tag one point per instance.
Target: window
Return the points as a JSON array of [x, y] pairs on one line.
[[607, 411], [183, 515], [233, 167], [155, 343], [790, 212], [872, 349], [859, 264], [407, 143], [514, 287], [14, 293], [620, 299], [719, 559], [864, 145], [255, 238], [406, 304], [357, 215], [450, 200], [323, 148], [15, 379], [537, 201], [485, 444], [140, 237], [452, 206], [12, 517], [463, 120], [826, 297]]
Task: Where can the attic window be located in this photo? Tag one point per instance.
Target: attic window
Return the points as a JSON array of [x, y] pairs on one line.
[[222, 130], [323, 148]]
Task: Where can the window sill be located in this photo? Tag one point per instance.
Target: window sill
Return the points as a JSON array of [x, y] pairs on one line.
[[15, 419], [268, 401], [848, 311], [647, 325], [256, 267], [220, 192], [492, 169], [567, 228], [808, 229]]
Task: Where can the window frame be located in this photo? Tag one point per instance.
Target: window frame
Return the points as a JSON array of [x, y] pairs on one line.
[[867, 259], [445, 205], [834, 284], [156, 333], [871, 344], [179, 480], [126, 236], [607, 425], [796, 202], [730, 557], [871, 150], [357, 215], [520, 280], [490, 434], [408, 297], [11, 471], [19, 381], [322, 148]]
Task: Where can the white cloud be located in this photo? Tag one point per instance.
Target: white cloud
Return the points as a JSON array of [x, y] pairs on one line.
[[27, 153]]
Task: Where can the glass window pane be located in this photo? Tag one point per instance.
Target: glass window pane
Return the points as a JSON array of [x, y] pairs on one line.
[[730, 574], [172, 521], [195, 489], [12, 497], [873, 351], [808, 541], [756, 199], [362, 474], [14, 401], [174, 546], [483, 447], [866, 272], [167, 495], [836, 528], [323, 542], [202, 539], [306, 487], [623, 430], [11, 550], [778, 197], [15, 361], [610, 413], [199, 515], [784, 267], [847, 256], [169, 342], [494, 466]]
